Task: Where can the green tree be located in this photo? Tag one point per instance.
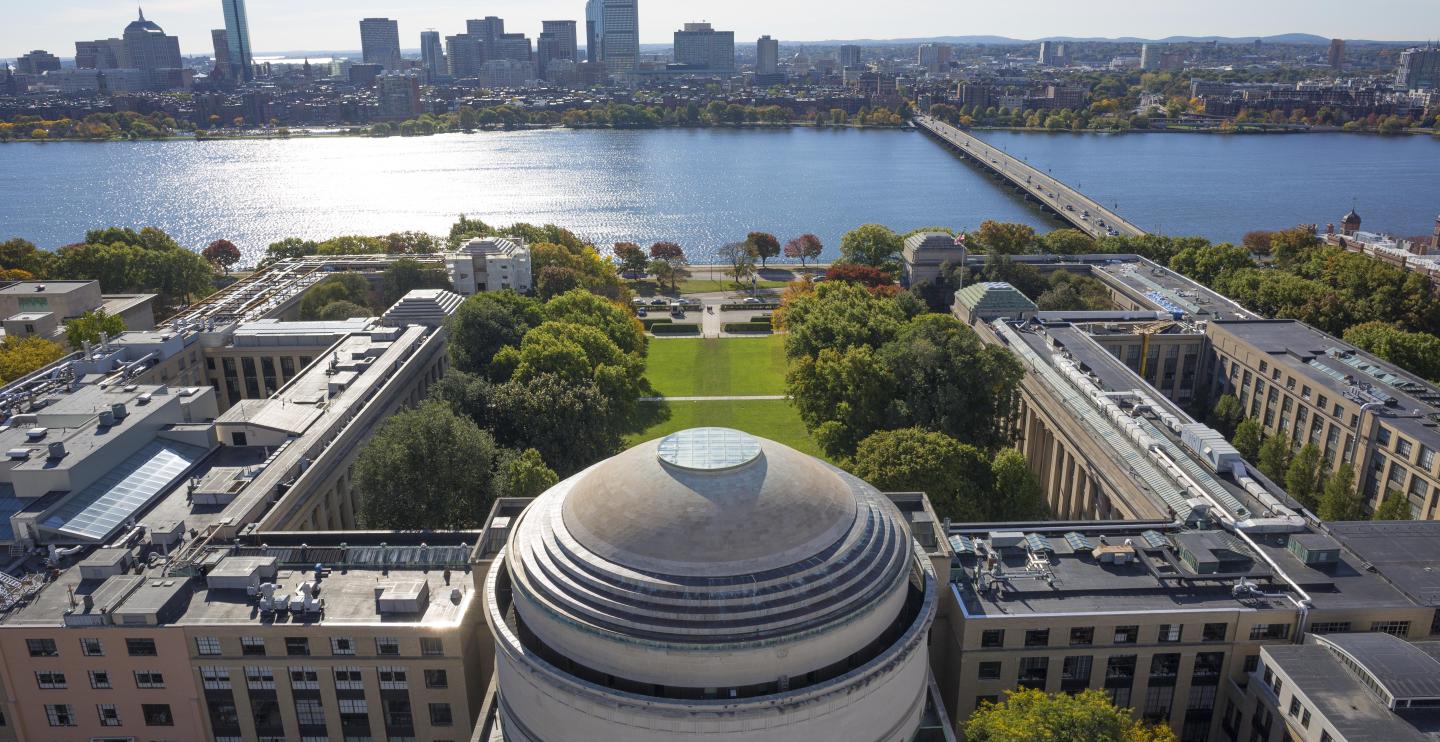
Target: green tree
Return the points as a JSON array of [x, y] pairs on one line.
[[1068, 242], [342, 310], [1275, 457], [842, 395], [88, 326], [351, 287], [956, 476], [1004, 238], [838, 316], [485, 323], [872, 244], [1305, 477], [464, 229], [1206, 263], [571, 425], [1416, 352], [581, 307], [1227, 414], [1395, 506], [406, 275], [20, 356], [1338, 501], [1031, 715], [554, 280], [1018, 494], [425, 469], [23, 255], [524, 474], [1247, 438], [765, 244], [631, 258], [740, 256], [288, 248]]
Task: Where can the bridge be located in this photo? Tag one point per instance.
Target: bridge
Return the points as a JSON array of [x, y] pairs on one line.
[[1085, 213]]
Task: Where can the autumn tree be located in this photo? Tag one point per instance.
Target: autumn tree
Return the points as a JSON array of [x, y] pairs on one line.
[[1005, 238], [631, 257], [865, 275], [805, 247], [1032, 715], [20, 356], [223, 253], [673, 257], [765, 244]]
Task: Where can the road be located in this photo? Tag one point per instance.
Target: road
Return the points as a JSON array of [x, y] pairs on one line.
[[1085, 213]]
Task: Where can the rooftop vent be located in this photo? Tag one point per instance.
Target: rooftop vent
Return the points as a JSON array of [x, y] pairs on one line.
[[18, 454], [35, 434], [57, 450]]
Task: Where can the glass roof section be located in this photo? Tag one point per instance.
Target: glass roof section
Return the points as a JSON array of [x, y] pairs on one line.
[[709, 449], [96, 512]]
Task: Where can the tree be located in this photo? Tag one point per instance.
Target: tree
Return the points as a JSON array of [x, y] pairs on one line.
[[1247, 438], [631, 257], [838, 316], [524, 474], [464, 229], [571, 425], [1305, 477], [1338, 501], [616, 321], [485, 323], [342, 310], [1275, 457], [667, 251], [1068, 242], [23, 255], [805, 247], [842, 395], [1018, 494], [425, 468], [223, 253], [288, 248], [765, 244], [1227, 414], [351, 287], [1395, 506], [673, 256], [1004, 238], [740, 256], [20, 356], [956, 476], [868, 276], [1031, 715], [1205, 264], [88, 326], [554, 280], [1416, 352], [873, 245]]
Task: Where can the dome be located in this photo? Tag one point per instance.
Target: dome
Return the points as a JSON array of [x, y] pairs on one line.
[[1351, 218], [143, 27]]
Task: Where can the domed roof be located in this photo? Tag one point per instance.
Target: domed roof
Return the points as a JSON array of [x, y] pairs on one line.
[[143, 26], [1351, 218], [708, 501]]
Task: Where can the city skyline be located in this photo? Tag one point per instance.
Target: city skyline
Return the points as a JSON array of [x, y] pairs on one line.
[[330, 25]]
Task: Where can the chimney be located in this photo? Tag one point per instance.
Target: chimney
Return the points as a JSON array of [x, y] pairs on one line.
[[57, 450]]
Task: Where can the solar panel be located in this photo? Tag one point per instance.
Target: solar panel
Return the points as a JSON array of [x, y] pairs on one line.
[[1078, 541], [962, 544], [1156, 539], [1037, 543], [101, 508]]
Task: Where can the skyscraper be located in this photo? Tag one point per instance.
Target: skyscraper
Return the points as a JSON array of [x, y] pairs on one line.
[[1419, 69], [489, 28], [237, 40], [1337, 53], [557, 41], [701, 46], [147, 47], [620, 35], [222, 53], [849, 55], [465, 53], [432, 55], [594, 23], [767, 56], [380, 42]]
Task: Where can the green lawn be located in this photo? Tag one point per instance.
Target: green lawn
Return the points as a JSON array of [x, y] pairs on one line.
[[773, 419], [717, 367]]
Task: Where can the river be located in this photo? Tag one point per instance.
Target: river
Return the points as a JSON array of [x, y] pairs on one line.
[[699, 187]]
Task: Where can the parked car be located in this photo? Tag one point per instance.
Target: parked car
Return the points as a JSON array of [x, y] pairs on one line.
[[641, 312], [751, 300], [657, 302]]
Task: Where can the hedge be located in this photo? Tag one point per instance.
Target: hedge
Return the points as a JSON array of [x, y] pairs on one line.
[[747, 327], [743, 307], [676, 328], [650, 322]]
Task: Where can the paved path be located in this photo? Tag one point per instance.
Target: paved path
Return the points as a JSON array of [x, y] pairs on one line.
[[1064, 200], [757, 398]]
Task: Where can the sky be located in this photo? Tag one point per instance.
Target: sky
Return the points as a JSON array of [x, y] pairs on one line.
[[286, 25]]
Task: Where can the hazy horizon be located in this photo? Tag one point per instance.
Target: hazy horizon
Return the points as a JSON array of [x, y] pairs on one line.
[[277, 26]]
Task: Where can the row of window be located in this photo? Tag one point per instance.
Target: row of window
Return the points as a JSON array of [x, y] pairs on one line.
[[1084, 636], [99, 679], [154, 715], [308, 678], [90, 647], [299, 646]]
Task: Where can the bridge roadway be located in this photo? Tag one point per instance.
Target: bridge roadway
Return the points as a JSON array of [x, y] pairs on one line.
[[1071, 205]]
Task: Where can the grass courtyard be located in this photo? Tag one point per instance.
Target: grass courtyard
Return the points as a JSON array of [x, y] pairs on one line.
[[722, 367]]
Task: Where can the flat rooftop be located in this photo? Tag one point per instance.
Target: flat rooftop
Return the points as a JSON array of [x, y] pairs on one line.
[[42, 288], [1406, 554], [1344, 702]]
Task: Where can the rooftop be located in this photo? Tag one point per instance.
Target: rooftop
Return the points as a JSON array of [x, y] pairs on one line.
[[993, 297], [1406, 554], [1343, 700]]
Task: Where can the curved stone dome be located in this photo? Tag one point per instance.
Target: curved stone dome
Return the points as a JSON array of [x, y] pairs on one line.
[[708, 502]]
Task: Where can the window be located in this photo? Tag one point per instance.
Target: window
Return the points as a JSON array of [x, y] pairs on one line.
[[109, 716], [1305, 719], [1330, 627], [149, 679], [432, 646], [260, 678], [1393, 628], [1252, 661], [157, 715], [59, 714], [140, 647], [992, 638], [252, 646], [387, 645], [1294, 706], [1127, 634], [989, 671], [99, 679], [297, 646], [1404, 448], [304, 678], [1427, 459], [50, 680], [348, 678], [207, 646], [1037, 638], [1033, 672], [1262, 631], [1214, 632], [42, 648], [342, 645], [440, 715], [309, 712], [1075, 673], [1383, 437], [1082, 636], [1169, 633], [215, 678], [436, 679], [91, 648], [393, 678]]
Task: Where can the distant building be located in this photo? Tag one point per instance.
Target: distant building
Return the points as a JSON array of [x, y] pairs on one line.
[[620, 36], [432, 55], [221, 45], [490, 264], [563, 35], [465, 53], [926, 253], [767, 56], [1053, 54], [399, 96], [1419, 69], [147, 47], [489, 29], [594, 22], [935, 58], [380, 42], [365, 75], [237, 38], [1336, 57], [849, 55], [101, 54], [702, 47], [37, 62], [514, 47]]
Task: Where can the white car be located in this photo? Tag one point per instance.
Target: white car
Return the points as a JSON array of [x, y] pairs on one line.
[[751, 300]]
